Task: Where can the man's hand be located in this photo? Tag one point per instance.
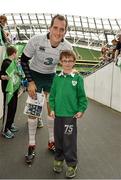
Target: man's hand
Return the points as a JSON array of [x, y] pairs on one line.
[[32, 89]]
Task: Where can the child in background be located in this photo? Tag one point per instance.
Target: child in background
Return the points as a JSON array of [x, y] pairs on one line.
[[68, 102], [3, 34], [9, 109], [3, 37]]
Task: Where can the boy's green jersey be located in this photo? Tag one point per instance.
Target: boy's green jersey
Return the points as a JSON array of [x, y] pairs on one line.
[[67, 96]]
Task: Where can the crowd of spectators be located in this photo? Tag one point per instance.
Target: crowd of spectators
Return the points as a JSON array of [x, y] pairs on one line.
[[108, 52], [112, 52]]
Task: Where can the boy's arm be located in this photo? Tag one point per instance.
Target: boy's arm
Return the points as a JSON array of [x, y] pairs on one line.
[[82, 99], [52, 96], [4, 66]]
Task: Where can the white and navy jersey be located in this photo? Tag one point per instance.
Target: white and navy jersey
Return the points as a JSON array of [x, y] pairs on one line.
[[44, 57]]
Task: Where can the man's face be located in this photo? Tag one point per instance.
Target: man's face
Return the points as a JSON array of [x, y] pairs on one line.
[[57, 32]]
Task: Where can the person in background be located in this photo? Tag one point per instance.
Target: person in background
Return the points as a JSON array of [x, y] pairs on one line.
[[9, 109], [3, 37], [43, 51], [112, 49], [118, 48], [105, 55], [3, 34], [68, 102]]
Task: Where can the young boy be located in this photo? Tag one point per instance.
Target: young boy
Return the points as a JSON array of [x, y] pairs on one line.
[[9, 109], [67, 102]]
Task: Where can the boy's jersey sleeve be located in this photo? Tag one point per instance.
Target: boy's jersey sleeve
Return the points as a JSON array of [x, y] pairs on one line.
[[52, 95], [82, 99], [4, 66]]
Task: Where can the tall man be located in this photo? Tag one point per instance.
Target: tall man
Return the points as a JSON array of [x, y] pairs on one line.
[[44, 51]]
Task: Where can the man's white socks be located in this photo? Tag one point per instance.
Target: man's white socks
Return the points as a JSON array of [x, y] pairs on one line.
[[32, 127]]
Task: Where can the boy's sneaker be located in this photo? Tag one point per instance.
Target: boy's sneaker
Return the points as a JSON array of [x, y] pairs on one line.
[[8, 134], [40, 123], [14, 128], [58, 166], [31, 154], [51, 146], [71, 172]]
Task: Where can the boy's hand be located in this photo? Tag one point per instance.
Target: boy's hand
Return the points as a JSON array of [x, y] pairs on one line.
[[78, 115], [4, 77], [52, 114]]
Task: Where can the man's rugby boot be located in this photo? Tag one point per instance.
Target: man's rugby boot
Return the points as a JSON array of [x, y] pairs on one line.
[[51, 146], [31, 154]]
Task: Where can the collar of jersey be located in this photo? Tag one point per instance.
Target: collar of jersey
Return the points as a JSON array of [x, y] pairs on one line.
[[62, 74]]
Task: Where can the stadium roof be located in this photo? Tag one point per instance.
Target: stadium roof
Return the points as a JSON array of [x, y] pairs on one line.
[[81, 30]]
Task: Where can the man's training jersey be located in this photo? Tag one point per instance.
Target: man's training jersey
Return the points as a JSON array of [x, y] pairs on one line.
[[44, 57]]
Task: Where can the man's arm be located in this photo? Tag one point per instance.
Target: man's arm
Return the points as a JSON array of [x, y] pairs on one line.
[[25, 65]]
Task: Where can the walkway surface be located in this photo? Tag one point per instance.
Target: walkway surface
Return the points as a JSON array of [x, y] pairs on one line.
[[99, 147]]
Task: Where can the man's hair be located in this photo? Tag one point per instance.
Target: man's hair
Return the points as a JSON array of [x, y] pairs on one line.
[[10, 50], [61, 18], [3, 18], [68, 53]]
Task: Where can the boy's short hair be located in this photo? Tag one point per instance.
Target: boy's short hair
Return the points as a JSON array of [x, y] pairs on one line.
[[3, 18], [10, 50], [68, 53]]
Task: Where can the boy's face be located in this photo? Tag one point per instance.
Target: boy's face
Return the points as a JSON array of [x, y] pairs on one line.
[[15, 56], [3, 22], [67, 62]]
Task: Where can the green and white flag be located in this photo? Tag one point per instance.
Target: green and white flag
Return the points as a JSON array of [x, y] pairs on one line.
[[14, 80]]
